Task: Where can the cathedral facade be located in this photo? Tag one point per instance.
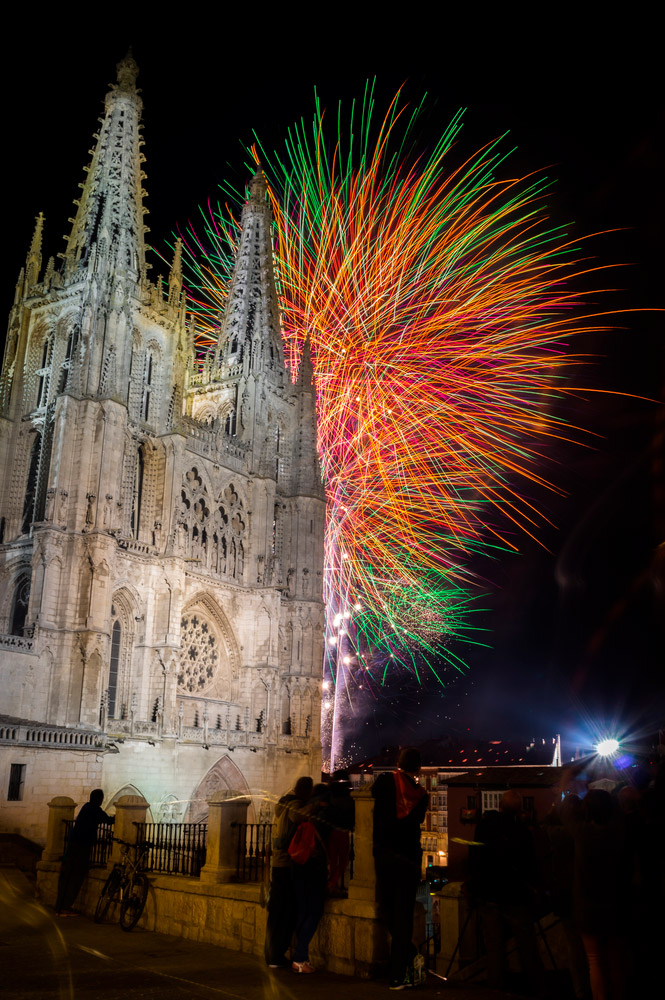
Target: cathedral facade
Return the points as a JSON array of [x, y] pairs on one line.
[[161, 521]]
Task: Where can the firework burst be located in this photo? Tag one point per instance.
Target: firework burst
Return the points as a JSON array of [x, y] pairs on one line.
[[436, 299]]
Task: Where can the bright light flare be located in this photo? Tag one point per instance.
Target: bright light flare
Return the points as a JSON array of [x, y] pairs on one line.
[[607, 747]]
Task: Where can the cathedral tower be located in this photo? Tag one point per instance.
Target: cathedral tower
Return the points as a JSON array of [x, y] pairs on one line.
[[161, 523]]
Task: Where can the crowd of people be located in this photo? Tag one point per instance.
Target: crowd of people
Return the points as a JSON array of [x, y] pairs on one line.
[[310, 852], [596, 862]]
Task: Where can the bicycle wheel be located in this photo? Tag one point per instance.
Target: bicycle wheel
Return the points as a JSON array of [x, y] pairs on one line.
[[107, 894], [133, 902]]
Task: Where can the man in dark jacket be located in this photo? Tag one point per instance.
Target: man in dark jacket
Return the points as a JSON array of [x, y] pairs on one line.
[[76, 861], [400, 805]]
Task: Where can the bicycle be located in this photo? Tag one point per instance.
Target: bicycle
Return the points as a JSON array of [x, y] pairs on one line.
[[126, 884]]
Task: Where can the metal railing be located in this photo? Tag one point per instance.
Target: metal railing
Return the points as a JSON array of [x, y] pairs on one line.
[[180, 849], [253, 851], [101, 849], [174, 848]]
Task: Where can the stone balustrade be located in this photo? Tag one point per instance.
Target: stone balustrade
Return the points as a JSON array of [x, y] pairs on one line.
[[55, 737], [20, 643], [351, 939]]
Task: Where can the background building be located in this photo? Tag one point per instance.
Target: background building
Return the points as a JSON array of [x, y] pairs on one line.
[[449, 765], [161, 523]]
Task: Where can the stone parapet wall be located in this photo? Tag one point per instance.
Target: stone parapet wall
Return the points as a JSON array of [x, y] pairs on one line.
[[350, 938]]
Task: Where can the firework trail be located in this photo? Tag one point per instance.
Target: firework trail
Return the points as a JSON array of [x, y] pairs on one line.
[[435, 297]]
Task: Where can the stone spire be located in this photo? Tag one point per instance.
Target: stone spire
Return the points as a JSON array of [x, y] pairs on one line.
[[33, 263], [110, 211], [308, 474], [258, 189], [251, 317], [306, 370], [175, 277]]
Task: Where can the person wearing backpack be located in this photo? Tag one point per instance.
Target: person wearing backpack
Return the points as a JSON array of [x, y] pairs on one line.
[[400, 805], [310, 873], [289, 812]]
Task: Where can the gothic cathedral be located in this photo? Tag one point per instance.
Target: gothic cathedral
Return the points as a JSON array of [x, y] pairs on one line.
[[161, 522]]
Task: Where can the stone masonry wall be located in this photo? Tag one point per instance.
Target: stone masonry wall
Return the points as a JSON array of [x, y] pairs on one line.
[[44, 775], [350, 939]]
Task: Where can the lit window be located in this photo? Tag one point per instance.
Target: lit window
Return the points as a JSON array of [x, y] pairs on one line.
[[491, 800]]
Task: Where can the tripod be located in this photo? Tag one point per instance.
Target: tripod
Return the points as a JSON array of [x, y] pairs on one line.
[[474, 908]]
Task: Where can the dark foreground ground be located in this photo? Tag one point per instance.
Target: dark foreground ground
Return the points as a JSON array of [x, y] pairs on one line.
[[46, 958]]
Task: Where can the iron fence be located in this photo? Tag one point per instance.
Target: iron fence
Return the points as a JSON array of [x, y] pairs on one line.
[[174, 848], [101, 849], [253, 851]]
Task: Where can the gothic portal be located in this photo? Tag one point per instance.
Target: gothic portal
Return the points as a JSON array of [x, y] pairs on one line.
[[161, 523]]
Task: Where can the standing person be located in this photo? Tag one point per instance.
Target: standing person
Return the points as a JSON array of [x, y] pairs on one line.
[[76, 861], [559, 883], [282, 904], [400, 805], [504, 880], [601, 893], [341, 815], [310, 877]]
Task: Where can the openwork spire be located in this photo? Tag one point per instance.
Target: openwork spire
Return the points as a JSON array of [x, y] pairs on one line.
[[110, 211], [251, 318], [128, 71]]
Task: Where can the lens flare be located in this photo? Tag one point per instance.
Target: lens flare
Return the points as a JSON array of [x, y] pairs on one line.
[[607, 747]]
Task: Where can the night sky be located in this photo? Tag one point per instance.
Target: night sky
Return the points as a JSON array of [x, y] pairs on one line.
[[577, 627]]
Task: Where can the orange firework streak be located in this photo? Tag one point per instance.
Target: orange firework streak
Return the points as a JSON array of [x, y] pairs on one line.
[[436, 302]]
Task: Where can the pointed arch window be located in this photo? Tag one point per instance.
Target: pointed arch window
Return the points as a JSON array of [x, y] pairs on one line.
[[277, 444], [117, 686], [70, 352], [43, 373], [138, 492], [114, 667], [31, 485], [20, 605], [230, 424], [286, 713], [147, 385]]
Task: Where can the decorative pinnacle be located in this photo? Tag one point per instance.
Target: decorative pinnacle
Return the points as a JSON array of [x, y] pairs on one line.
[[176, 267], [175, 277], [127, 73], [36, 244], [306, 370], [34, 259], [258, 187]]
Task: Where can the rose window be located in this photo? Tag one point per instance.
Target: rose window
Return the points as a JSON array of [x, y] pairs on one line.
[[199, 654]]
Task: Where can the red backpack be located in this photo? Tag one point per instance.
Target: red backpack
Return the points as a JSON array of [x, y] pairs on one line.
[[303, 842]]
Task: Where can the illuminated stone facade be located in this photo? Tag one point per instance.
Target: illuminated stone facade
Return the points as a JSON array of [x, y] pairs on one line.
[[161, 522]]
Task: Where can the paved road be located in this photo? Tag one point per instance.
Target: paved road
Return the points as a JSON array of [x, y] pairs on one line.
[[46, 958]]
